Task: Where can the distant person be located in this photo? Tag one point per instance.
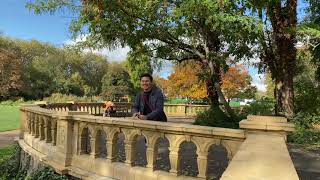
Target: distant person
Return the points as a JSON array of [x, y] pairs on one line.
[[149, 102], [108, 108]]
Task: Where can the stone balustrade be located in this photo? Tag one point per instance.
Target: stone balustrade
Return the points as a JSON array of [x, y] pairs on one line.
[[77, 140], [89, 147]]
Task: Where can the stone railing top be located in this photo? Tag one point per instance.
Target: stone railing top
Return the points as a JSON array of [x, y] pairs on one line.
[[270, 123]]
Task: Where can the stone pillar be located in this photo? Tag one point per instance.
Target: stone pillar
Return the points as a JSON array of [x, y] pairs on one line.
[[54, 131], [151, 157], [111, 149], [174, 160], [47, 129], [23, 123], [41, 128], [266, 140], [202, 164], [129, 152], [31, 116], [93, 152], [37, 119]]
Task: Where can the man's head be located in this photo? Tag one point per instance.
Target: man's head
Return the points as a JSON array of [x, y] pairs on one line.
[[146, 82]]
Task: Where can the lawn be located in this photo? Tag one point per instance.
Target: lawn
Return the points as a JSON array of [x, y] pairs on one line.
[[6, 152], [9, 117]]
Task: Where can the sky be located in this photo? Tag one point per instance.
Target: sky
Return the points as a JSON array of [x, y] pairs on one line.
[[19, 22]]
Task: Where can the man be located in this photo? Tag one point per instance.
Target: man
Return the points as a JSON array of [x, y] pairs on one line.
[[149, 102]]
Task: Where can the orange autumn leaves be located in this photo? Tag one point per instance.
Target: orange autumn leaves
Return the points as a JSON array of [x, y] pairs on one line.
[[184, 82]]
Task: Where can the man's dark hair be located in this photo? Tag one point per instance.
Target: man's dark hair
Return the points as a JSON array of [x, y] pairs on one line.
[[146, 75]]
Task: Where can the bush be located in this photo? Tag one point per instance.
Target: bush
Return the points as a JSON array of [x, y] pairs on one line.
[[263, 107], [46, 173], [62, 98], [216, 117], [305, 134]]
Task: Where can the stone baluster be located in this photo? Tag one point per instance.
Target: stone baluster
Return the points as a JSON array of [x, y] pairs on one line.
[[32, 121], [41, 128], [37, 119], [129, 152], [151, 157], [47, 129], [202, 164], [174, 160], [93, 152], [111, 150], [54, 131]]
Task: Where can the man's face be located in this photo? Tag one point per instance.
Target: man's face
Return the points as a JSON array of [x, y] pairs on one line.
[[146, 83]]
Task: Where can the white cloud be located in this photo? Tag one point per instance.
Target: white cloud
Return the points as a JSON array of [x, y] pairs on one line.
[[258, 80], [115, 55]]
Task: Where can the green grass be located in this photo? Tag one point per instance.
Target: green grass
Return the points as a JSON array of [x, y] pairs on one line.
[[6, 152], [9, 117]]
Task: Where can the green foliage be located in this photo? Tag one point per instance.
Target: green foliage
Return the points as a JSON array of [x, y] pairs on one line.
[[11, 168], [40, 69], [46, 173], [263, 107], [138, 62], [307, 91], [116, 83], [305, 134], [10, 165], [62, 98], [215, 117]]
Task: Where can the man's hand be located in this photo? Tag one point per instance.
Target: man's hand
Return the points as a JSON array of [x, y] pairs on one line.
[[135, 114], [143, 117]]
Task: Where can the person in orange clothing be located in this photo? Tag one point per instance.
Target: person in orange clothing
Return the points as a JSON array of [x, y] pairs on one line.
[[109, 108]]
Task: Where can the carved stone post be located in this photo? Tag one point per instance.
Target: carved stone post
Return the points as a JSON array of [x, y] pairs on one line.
[[151, 157], [93, 152], [37, 119], [32, 124], [111, 149], [54, 131], [41, 128], [129, 152], [174, 160], [202, 164]]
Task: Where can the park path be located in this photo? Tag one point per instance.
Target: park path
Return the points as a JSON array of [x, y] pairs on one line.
[[7, 137]]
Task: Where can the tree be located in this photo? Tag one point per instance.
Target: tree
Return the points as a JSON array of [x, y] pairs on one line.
[[236, 83], [205, 31], [278, 47], [138, 62], [116, 83], [184, 81], [10, 74]]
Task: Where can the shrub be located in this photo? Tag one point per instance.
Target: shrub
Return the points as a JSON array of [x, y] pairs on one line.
[[304, 133], [263, 107], [216, 117], [46, 173]]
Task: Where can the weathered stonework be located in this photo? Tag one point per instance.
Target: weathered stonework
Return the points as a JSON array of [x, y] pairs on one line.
[[68, 141]]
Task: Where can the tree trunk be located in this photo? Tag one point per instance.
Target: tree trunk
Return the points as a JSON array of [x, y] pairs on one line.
[[212, 94], [215, 77], [282, 67]]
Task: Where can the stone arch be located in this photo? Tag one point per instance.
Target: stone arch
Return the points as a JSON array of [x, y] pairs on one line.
[[161, 160], [100, 144], [85, 141], [187, 158], [217, 161], [139, 150]]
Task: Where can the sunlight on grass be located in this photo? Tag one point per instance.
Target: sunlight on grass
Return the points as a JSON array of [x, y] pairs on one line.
[[10, 117]]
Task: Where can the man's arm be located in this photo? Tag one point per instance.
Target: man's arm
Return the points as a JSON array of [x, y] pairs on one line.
[[158, 108]]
